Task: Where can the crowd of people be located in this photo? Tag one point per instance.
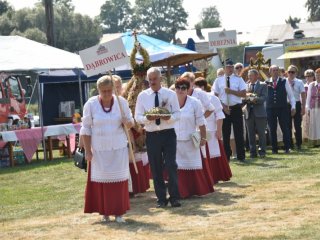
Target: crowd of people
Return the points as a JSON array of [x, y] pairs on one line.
[[188, 150]]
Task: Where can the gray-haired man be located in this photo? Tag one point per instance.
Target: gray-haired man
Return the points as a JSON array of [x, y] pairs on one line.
[[255, 113], [161, 138]]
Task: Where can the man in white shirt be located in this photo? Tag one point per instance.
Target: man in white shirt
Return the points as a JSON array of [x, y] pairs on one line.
[[161, 139], [279, 91], [300, 96], [230, 89]]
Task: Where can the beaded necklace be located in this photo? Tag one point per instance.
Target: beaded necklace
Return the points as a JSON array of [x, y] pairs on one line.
[[111, 105]]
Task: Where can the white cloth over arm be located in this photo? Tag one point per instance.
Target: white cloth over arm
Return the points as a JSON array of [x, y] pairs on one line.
[[290, 94]]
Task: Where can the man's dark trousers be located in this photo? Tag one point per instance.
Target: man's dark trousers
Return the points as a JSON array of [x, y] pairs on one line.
[[161, 149], [297, 121], [273, 115], [236, 119]]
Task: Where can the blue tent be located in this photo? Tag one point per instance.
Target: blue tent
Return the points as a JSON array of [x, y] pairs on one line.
[[161, 53]]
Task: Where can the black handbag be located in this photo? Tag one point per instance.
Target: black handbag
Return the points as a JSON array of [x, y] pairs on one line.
[[79, 159]]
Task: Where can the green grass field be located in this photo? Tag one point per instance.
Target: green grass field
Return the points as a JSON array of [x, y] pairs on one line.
[[273, 198]]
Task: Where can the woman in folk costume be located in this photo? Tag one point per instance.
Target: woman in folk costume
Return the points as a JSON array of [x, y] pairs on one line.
[[138, 182], [310, 77], [218, 161], [106, 150], [208, 109], [313, 109], [191, 177]]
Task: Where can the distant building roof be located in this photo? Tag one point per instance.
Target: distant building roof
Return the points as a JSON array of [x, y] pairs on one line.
[[199, 36], [280, 33], [261, 35]]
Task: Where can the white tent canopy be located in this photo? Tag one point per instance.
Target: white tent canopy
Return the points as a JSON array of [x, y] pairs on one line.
[[21, 54]]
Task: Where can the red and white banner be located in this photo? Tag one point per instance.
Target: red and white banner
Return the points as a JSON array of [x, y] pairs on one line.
[[104, 57], [222, 39]]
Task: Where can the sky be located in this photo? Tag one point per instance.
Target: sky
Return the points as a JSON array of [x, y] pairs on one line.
[[234, 14]]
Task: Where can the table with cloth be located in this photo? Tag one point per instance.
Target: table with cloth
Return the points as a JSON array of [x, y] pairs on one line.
[[29, 139]]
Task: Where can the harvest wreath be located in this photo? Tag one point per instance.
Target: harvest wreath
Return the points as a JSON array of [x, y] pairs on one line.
[[139, 69]]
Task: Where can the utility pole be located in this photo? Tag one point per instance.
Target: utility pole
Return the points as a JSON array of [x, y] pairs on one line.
[[49, 22]]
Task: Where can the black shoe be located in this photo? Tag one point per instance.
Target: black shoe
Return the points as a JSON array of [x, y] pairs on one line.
[[175, 203], [287, 151], [299, 148], [253, 155], [262, 155], [274, 151], [162, 204], [241, 160]]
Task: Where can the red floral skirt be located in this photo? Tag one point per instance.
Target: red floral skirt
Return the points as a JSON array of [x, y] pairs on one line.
[[106, 198]]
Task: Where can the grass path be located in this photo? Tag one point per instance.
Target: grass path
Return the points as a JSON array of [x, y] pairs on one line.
[[274, 198]]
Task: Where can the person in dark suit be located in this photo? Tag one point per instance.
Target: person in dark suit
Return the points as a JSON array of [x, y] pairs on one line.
[[279, 90], [255, 113]]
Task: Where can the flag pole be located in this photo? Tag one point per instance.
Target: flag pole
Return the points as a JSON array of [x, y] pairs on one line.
[[131, 154]]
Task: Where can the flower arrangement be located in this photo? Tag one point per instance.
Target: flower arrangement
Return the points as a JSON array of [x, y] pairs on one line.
[[156, 111], [251, 97]]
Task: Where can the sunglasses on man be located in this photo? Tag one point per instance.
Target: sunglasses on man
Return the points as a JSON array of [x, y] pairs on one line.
[[291, 72]]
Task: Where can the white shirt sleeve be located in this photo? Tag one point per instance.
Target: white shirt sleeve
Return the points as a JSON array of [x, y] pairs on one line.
[[200, 120], [215, 87], [126, 109], [218, 112], [139, 111], [291, 98], [86, 120], [309, 96], [302, 90], [205, 101], [242, 85], [175, 108]]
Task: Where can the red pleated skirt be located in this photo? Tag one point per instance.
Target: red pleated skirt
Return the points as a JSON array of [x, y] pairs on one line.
[[147, 174], [220, 166], [140, 183], [207, 171], [193, 182], [106, 198]]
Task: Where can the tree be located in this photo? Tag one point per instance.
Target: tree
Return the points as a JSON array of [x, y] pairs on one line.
[[293, 21], [313, 7], [65, 3], [116, 16], [160, 18], [61, 3], [73, 32], [210, 18], [6, 24], [35, 34], [4, 7]]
